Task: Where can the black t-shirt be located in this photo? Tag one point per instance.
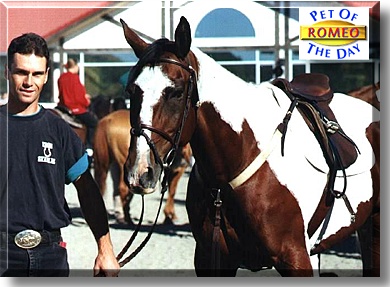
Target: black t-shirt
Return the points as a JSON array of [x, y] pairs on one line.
[[44, 154]]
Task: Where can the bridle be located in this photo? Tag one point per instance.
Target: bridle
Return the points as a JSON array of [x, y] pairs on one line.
[[138, 129]]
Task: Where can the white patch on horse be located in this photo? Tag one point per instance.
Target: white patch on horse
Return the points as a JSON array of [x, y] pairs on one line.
[[219, 85], [152, 81]]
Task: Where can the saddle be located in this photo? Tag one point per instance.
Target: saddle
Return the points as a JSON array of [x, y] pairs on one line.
[[67, 116], [311, 95]]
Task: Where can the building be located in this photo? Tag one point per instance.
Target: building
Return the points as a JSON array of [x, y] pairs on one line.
[[250, 38]]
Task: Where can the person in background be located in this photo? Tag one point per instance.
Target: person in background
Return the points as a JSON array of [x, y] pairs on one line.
[[73, 96], [42, 153]]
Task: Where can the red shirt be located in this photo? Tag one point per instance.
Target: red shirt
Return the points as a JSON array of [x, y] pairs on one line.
[[72, 93]]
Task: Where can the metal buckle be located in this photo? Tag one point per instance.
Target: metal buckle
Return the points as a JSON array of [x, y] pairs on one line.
[[28, 239]]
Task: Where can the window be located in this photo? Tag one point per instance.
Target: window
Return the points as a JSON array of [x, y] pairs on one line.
[[230, 23], [106, 80], [225, 22], [348, 76]]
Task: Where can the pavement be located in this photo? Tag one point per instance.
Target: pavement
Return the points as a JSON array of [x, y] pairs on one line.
[[170, 249]]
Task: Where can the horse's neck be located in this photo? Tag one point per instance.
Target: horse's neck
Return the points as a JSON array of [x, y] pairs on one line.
[[223, 89], [215, 83], [233, 113], [220, 151]]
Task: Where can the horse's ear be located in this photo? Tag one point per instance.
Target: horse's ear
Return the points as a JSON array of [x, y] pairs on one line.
[[183, 38], [134, 40]]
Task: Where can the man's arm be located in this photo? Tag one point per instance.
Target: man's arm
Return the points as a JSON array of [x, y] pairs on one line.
[[95, 213]]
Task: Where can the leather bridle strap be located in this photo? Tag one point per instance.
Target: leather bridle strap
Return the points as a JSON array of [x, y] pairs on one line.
[[174, 141]]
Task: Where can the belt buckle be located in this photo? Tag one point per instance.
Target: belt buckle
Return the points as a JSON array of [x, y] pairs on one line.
[[28, 239]]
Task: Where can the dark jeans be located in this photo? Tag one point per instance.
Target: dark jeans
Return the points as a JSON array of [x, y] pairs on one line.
[[46, 260], [90, 121]]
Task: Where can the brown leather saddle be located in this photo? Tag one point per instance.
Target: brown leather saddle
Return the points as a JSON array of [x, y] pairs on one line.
[[311, 95]]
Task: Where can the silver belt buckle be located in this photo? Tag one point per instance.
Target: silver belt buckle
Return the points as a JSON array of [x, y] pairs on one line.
[[28, 239]]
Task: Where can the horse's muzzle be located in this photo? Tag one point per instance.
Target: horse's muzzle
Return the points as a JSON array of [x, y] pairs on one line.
[[144, 183]]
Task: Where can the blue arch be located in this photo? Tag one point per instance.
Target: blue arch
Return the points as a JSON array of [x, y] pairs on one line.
[[225, 22]]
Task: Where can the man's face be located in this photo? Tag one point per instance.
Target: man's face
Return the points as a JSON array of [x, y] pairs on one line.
[[27, 76]]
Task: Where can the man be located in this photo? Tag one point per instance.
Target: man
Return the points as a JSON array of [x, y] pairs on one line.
[[73, 96], [44, 154]]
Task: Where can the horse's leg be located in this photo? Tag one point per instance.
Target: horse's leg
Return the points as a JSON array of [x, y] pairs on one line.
[[278, 220], [117, 198], [173, 181], [101, 158], [203, 268], [295, 262], [125, 196], [201, 227]]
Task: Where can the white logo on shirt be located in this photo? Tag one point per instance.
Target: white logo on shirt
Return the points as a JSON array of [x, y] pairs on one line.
[[47, 147]]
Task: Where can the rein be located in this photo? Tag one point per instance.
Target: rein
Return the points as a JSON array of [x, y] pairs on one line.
[[133, 236]]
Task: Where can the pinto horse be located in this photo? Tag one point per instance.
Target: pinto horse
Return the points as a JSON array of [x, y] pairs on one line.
[[256, 198], [111, 143]]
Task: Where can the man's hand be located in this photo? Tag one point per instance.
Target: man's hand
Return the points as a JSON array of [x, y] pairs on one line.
[[95, 213], [106, 264]]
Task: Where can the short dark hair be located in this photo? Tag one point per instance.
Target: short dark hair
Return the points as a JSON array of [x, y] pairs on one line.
[[26, 44]]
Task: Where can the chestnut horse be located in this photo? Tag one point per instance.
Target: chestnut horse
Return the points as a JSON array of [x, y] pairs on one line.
[[111, 144], [253, 200], [369, 94]]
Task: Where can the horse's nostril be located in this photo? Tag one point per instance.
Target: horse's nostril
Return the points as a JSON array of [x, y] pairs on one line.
[[146, 178]]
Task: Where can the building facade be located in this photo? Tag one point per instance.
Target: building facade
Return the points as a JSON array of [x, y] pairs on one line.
[[256, 40]]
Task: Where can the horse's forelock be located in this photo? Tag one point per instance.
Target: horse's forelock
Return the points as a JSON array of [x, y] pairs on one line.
[[150, 57]]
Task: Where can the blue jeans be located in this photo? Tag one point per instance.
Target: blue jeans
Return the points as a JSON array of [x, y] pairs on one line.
[[46, 260]]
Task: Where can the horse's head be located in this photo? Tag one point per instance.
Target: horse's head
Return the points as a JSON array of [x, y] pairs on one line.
[[163, 96]]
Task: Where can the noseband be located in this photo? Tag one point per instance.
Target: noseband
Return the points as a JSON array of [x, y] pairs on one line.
[[139, 129]]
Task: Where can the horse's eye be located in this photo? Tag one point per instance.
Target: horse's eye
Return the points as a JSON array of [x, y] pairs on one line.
[[172, 92]]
